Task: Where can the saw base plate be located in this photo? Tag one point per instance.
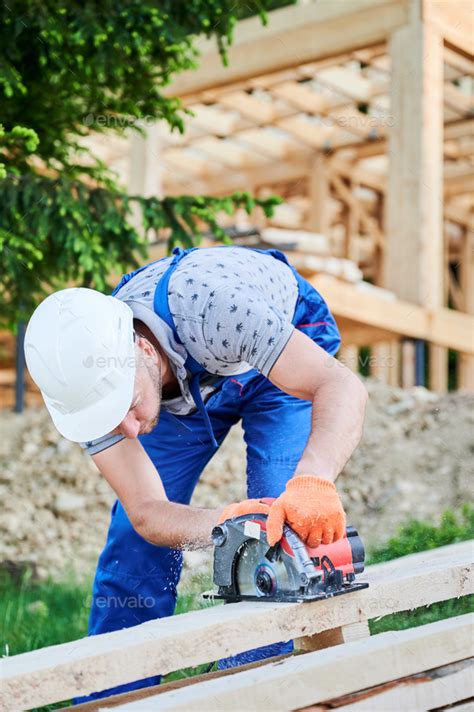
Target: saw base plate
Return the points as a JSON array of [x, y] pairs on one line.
[[286, 597]]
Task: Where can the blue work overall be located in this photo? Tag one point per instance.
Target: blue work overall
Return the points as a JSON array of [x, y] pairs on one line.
[[136, 581]]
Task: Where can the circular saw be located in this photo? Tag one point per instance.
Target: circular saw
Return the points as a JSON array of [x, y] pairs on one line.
[[246, 567]]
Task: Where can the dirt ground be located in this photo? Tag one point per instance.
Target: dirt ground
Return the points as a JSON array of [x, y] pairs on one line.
[[415, 460]]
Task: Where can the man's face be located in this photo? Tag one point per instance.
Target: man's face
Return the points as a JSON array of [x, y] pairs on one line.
[[144, 411]]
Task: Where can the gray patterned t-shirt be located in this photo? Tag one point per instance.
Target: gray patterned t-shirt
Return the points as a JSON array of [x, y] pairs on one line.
[[232, 308]]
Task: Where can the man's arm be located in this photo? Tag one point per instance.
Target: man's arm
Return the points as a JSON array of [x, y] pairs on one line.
[[306, 371], [133, 477]]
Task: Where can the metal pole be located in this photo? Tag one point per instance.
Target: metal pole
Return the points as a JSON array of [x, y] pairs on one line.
[[420, 350], [20, 369]]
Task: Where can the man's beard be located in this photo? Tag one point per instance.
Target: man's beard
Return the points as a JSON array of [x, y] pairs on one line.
[[155, 376]]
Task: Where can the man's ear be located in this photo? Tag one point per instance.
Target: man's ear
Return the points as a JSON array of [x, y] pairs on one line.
[[147, 348]]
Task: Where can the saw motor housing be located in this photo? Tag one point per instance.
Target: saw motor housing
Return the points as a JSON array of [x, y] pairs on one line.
[[246, 567]]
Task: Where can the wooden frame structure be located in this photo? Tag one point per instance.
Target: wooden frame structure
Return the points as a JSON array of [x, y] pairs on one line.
[[355, 662], [359, 113]]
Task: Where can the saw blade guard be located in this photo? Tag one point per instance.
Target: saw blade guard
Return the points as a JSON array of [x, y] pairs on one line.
[[246, 567]]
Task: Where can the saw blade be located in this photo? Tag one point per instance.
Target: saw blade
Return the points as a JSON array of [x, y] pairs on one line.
[[256, 575]]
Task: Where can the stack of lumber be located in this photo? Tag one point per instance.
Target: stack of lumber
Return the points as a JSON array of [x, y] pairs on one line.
[[416, 669], [310, 253]]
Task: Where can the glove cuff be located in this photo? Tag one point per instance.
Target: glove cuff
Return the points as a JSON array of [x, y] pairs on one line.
[[310, 482]]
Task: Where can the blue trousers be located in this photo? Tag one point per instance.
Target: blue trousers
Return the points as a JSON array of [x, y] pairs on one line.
[[137, 581]]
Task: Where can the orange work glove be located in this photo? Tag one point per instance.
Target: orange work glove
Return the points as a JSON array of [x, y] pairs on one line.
[[312, 508], [248, 506]]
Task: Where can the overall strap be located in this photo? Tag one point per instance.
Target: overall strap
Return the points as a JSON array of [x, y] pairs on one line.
[[162, 309], [160, 300]]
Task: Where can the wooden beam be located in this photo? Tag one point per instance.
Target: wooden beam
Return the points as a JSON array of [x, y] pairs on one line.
[[250, 179], [445, 327], [307, 679], [348, 355], [368, 222], [351, 84], [304, 98], [466, 268], [414, 246], [425, 691], [160, 646], [334, 636], [294, 35], [318, 218], [414, 253], [315, 135], [408, 364], [258, 111], [146, 173], [453, 21]]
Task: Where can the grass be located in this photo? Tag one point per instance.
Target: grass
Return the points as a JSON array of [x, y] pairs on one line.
[[37, 614], [420, 536]]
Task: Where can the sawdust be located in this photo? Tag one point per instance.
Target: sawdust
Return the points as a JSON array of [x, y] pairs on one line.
[[414, 461]]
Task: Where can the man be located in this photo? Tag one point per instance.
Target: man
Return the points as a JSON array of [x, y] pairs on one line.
[[151, 379]]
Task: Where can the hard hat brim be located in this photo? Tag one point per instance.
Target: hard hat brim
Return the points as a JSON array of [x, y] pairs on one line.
[[98, 419]]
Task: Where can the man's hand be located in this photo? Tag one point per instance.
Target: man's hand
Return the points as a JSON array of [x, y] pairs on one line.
[[248, 506], [312, 508]]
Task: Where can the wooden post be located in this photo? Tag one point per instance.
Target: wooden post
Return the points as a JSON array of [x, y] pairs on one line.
[[145, 169], [385, 362], [413, 266], [334, 636], [408, 363], [145, 165], [349, 356], [318, 215], [466, 267]]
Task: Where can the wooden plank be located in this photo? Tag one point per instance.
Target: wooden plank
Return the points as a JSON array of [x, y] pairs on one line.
[[367, 126], [305, 98], [349, 355], [459, 184], [229, 152], [214, 120], [368, 222], [441, 686], [160, 646], [462, 103], [316, 135], [438, 368], [445, 327], [144, 692], [463, 66], [453, 21], [408, 364], [146, 172], [314, 677], [466, 267], [414, 254], [384, 362], [351, 84], [414, 245], [270, 142], [318, 218], [258, 111], [335, 636], [295, 35], [461, 707], [458, 129]]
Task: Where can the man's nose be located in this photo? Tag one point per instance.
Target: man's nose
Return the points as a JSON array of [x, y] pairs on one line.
[[129, 427]]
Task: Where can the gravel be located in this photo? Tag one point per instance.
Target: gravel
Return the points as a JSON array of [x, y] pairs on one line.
[[415, 460]]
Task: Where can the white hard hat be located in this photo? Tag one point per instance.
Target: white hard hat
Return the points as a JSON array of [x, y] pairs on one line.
[[80, 352]]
